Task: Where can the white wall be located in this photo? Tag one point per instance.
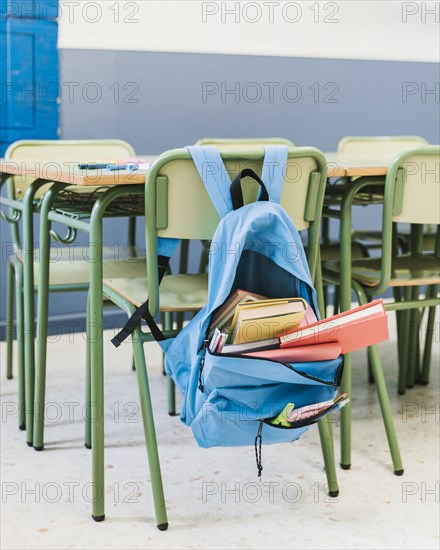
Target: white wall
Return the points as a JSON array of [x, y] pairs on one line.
[[363, 29]]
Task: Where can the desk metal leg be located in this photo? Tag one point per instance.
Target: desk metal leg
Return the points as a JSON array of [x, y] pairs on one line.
[[42, 317], [29, 310], [94, 336], [9, 317], [345, 303], [20, 347]]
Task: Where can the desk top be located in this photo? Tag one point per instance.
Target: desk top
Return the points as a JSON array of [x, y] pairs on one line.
[[68, 172], [339, 166]]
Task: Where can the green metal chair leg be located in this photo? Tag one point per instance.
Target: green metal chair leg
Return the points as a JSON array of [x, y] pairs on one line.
[[165, 320], [429, 336], [404, 345], [414, 358], [397, 293], [413, 335], [336, 300], [370, 370], [171, 397], [346, 384], [345, 230], [385, 406], [168, 322], [320, 289], [9, 318], [418, 367], [382, 393], [19, 315], [325, 427], [326, 437], [150, 432], [204, 257]]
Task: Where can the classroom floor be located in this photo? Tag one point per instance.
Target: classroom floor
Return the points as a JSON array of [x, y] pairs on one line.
[[214, 498]]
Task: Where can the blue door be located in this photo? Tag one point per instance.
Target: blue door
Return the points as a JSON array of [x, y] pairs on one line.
[[29, 71], [3, 111]]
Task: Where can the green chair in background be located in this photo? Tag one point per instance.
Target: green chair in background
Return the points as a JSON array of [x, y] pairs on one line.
[[371, 148], [411, 195], [382, 148], [69, 265], [377, 147], [244, 142]]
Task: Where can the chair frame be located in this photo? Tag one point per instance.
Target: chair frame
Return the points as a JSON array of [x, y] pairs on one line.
[[152, 205], [251, 142], [393, 189], [379, 140]]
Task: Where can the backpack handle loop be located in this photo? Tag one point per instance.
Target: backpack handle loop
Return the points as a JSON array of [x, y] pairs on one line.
[[237, 192]]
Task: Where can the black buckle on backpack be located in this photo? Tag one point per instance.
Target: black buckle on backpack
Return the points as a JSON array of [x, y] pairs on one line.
[[143, 312]]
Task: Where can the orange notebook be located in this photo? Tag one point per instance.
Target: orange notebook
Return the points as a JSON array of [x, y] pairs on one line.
[[354, 329], [301, 354]]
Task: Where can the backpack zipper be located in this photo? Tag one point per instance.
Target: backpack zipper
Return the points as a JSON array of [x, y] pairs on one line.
[[287, 365], [258, 442], [202, 364]]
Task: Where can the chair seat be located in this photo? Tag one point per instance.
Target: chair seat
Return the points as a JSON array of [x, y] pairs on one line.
[[71, 265], [177, 292], [429, 239], [331, 251], [405, 270]]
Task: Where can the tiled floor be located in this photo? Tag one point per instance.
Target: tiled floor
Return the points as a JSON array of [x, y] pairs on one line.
[[214, 498]]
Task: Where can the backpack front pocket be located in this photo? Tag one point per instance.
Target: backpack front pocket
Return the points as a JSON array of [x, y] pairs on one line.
[[222, 370], [221, 421]]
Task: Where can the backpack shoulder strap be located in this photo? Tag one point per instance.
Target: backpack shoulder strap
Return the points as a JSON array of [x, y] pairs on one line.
[[274, 170], [217, 183], [213, 173]]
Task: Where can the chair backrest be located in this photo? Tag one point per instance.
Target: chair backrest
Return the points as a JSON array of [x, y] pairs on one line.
[[62, 152], [382, 147], [412, 195], [178, 205], [244, 143], [417, 186]]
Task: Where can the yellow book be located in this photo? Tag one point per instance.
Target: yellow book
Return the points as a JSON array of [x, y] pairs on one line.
[[266, 319], [257, 303]]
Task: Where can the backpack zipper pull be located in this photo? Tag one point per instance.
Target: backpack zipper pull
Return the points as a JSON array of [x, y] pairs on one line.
[[202, 364], [258, 442]]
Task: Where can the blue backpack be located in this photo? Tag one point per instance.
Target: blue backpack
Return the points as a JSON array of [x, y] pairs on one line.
[[229, 399]]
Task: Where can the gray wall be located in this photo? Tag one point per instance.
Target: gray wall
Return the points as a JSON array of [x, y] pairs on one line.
[[156, 102], [170, 111]]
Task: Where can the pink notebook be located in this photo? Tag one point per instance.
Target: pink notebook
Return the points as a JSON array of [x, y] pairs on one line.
[[301, 354], [354, 329]]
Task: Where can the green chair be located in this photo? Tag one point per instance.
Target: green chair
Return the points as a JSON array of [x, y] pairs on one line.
[[244, 143], [383, 148], [70, 266], [387, 147], [379, 147], [411, 195], [178, 206]]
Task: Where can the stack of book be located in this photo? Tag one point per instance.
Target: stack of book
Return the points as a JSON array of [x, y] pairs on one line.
[[286, 329]]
